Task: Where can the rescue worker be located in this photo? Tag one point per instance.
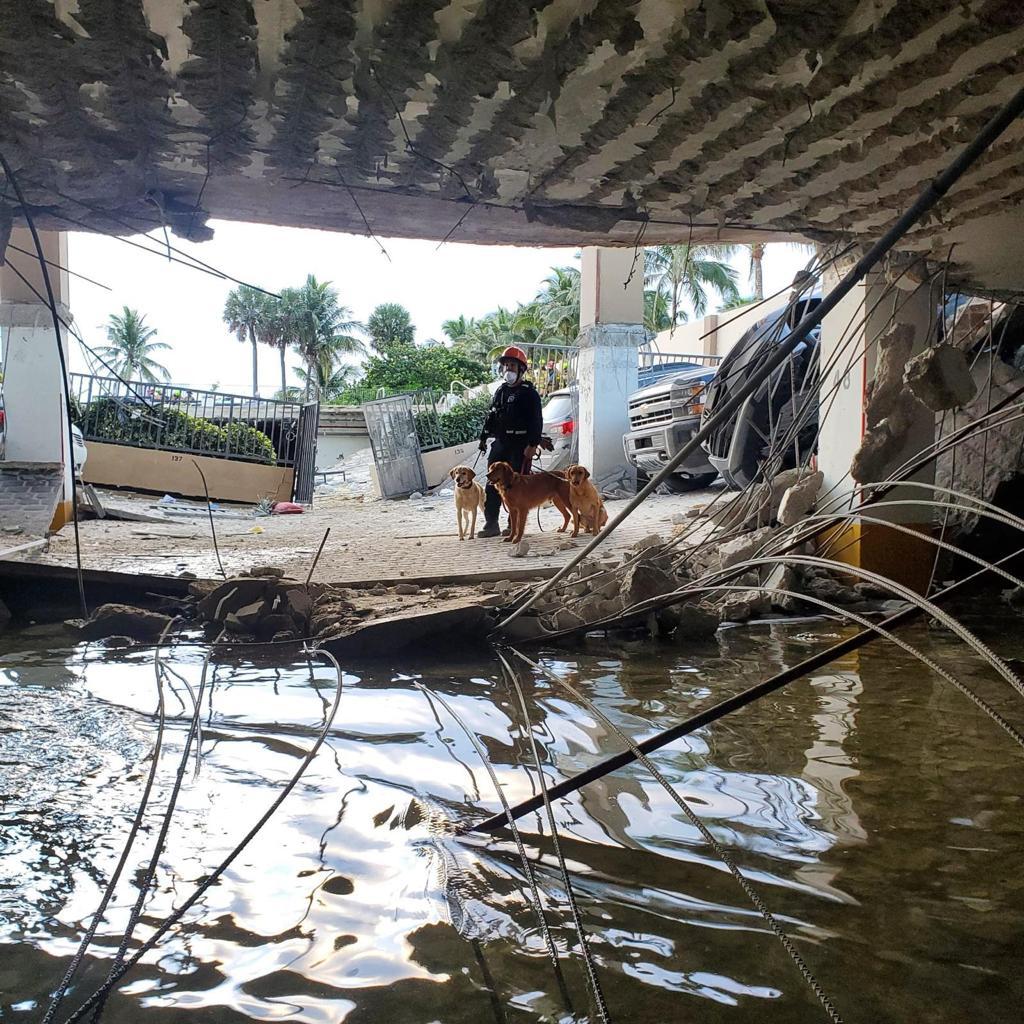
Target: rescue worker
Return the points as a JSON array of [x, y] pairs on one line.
[[516, 423]]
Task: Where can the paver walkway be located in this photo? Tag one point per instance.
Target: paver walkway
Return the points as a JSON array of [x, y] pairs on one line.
[[369, 540]]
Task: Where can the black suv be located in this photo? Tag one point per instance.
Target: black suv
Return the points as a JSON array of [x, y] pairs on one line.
[[779, 421]]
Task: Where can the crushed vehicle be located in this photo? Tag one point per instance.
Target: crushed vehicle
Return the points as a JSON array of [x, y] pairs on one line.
[[776, 427]]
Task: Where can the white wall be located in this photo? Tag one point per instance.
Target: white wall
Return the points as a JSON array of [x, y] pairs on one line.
[[714, 334]]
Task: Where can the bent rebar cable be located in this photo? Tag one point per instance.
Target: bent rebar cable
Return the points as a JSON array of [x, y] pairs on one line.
[[929, 196], [528, 871], [159, 843], [58, 997], [731, 704], [749, 891], [577, 920], [175, 916]]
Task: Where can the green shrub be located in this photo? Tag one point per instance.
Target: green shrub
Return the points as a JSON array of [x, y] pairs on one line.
[[458, 426], [108, 419]]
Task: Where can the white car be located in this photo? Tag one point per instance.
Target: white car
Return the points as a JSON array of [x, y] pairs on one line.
[[81, 453], [560, 426]]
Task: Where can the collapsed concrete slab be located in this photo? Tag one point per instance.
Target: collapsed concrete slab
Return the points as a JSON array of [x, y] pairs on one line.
[[940, 378]]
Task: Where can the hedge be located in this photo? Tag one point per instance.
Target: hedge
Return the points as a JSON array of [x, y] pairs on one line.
[[108, 419], [459, 425]]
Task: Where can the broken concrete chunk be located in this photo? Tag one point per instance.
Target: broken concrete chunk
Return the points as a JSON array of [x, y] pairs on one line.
[[694, 621], [124, 620], [739, 549], [645, 580], [406, 588], [297, 603], [232, 595], [744, 605], [520, 550], [885, 390], [566, 619], [267, 572], [940, 378], [799, 499]]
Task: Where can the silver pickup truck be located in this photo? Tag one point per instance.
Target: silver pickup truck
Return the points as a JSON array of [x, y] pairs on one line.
[[663, 416]]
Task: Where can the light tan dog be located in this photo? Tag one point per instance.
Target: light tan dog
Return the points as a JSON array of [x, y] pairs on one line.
[[469, 499], [586, 504], [524, 491]]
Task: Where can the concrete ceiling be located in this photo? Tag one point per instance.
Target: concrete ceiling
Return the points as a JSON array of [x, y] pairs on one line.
[[523, 121]]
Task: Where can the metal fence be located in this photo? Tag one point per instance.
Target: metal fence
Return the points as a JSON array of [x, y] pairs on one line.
[[550, 367], [649, 360], [178, 419]]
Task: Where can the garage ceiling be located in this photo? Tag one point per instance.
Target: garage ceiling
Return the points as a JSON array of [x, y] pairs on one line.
[[519, 121]]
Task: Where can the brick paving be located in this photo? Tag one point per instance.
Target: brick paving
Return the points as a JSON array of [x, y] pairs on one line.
[[370, 540]]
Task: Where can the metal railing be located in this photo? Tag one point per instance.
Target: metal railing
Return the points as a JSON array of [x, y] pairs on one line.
[[177, 419], [550, 367], [652, 359]]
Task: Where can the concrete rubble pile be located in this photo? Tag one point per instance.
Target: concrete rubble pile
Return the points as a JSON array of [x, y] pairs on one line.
[[601, 592]]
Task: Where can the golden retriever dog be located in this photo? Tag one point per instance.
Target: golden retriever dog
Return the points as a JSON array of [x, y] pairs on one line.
[[469, 499], [586, 504], [521, 492]]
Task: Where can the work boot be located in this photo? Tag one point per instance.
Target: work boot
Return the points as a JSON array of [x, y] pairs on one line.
[[489, 530]]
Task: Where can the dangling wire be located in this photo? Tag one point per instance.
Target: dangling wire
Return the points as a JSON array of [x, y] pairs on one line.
[[588, 956]]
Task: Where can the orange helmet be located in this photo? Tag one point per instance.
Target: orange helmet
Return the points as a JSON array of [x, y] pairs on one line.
[[514, 353]]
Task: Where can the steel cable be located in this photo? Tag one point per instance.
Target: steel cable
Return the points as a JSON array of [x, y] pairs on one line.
[[215, 875], [528, 871], [588, 956], [726, 858]]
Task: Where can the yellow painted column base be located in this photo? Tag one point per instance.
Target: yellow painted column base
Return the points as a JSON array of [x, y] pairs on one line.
[[62, 516], [906, 558]]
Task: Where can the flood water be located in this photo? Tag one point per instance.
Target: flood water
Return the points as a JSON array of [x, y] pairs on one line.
[[876, 811]]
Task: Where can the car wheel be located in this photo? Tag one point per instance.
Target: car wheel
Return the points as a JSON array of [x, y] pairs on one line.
[[683, 484]]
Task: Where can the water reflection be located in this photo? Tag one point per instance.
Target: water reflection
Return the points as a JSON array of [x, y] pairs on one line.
[[878, 814]]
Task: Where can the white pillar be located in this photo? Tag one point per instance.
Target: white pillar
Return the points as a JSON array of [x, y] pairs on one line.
[[611, 333], [849, 360], [33, 388]]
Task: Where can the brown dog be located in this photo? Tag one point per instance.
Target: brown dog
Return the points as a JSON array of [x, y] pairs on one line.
[[521, 492], [586, 504], [469, 499]]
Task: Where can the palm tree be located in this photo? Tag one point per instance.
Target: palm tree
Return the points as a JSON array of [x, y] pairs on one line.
[[559, 302], [330, 380], [131, 347], [245, 312], [390, 325], [756, 270], [684, 273], [322, 326], [656, 311]]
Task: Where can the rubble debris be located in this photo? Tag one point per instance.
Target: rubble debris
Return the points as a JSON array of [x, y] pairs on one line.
[[940, 378], [406, 588], [696, 621], [122, 620], [800, 498], [887, 387], [520, 550], [644, 580]]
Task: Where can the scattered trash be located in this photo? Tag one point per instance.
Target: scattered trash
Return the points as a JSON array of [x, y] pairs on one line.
[[286, 508]]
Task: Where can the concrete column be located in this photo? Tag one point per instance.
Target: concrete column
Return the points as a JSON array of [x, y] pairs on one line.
[[33, 389], [611, 333], [850, 354]]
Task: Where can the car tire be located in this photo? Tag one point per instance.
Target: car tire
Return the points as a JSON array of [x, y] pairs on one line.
[[683, 484]]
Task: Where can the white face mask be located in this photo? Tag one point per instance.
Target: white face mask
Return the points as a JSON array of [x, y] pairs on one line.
[[510, 376]]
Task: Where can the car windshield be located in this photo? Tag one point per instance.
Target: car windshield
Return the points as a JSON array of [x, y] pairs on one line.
[[558, 408]]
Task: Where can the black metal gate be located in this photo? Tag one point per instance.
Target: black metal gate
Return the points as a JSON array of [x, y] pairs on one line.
[[391, 424], [305, 453]]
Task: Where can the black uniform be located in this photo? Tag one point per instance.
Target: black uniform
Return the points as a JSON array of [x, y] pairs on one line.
[[516, 422]]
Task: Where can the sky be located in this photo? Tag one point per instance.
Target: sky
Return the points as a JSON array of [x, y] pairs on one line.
[[185, 306]]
